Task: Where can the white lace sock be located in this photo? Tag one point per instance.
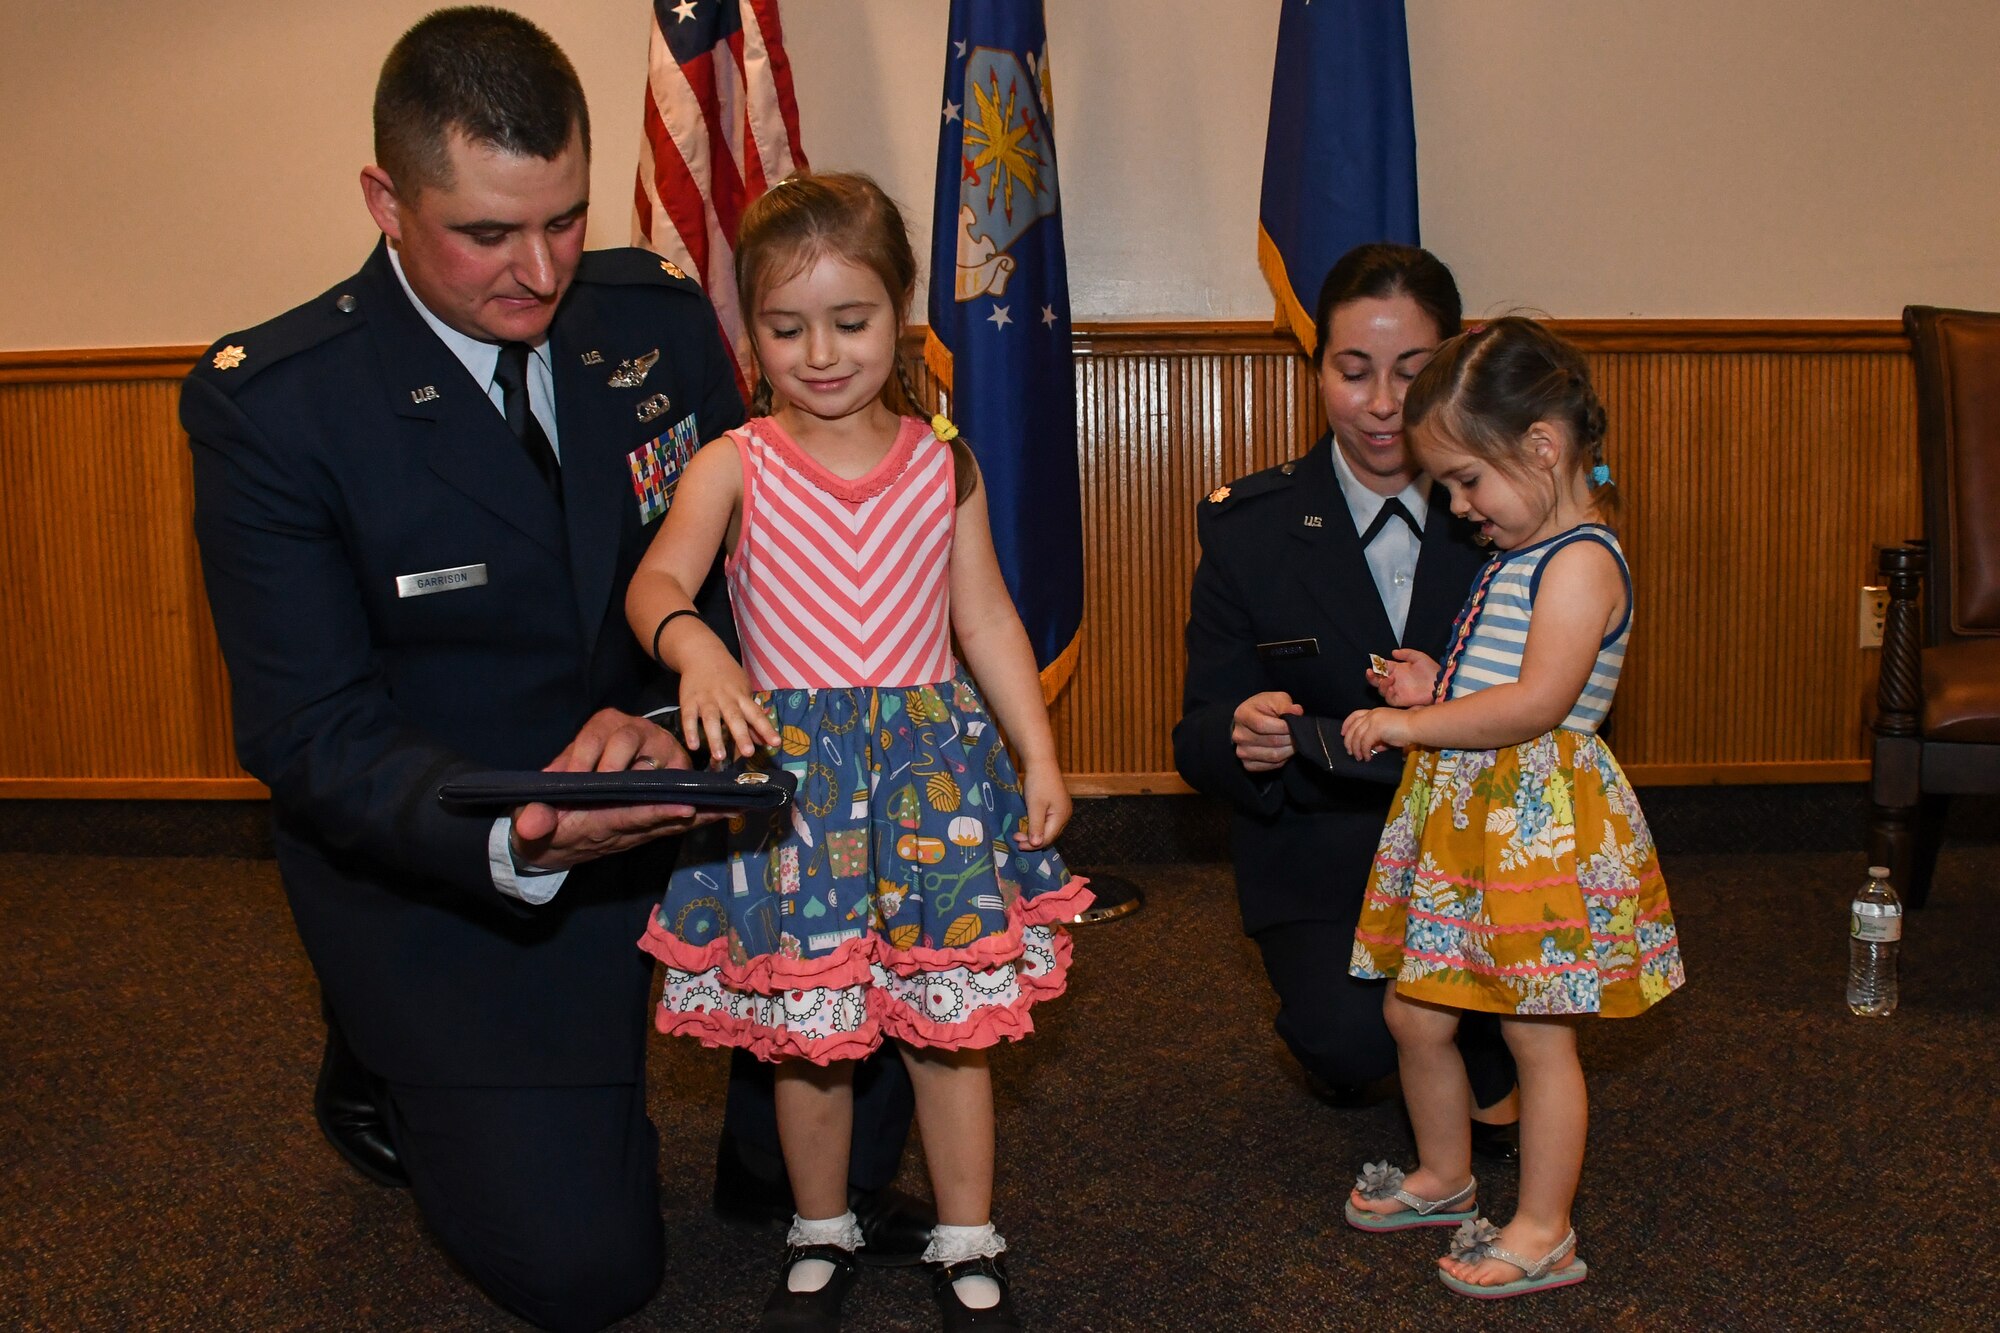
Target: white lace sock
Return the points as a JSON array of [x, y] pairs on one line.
[[951, 1245], [812, 1274]]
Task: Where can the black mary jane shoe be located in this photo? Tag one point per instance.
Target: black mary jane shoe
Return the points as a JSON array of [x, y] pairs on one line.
[[958, 1315], [1497, 1143], [791, 1311]]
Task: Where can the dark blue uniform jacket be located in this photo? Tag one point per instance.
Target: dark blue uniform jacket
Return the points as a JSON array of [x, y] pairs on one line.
[[341, 446], [1282, 567]]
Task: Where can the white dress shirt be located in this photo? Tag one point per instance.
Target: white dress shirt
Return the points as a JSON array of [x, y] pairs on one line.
[[1392, 556], [481, 359]]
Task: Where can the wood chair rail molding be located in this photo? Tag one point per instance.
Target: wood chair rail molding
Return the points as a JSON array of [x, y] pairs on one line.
[[1762, 463], [1099, 337], [97, 364]]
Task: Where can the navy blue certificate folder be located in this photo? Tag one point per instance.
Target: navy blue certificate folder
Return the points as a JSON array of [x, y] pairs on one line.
[[704, 789]]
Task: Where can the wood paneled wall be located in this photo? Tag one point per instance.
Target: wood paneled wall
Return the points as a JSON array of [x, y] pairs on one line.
[[1761, 464], [114, 684]]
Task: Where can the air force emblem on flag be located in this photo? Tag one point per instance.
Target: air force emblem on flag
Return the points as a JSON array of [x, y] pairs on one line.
[[657, 464], [1007, 181], [1000, 338]]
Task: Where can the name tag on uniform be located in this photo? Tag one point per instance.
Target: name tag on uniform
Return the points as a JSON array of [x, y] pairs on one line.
[[441, 580], [1283, 648]]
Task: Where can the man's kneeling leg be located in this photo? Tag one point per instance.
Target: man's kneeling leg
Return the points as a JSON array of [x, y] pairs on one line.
[[548, 1197]]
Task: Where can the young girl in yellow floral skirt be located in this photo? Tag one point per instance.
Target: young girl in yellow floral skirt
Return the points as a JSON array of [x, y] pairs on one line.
[[1516, 874]]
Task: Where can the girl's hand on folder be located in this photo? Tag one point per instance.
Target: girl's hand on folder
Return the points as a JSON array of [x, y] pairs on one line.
[[720, 711], [1369, 731], [549, 838]]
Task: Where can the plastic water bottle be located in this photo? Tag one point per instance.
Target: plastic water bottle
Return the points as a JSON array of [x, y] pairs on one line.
[[1875, 925]]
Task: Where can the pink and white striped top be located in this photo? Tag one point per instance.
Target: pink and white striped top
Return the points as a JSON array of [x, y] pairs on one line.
[[840, 583]]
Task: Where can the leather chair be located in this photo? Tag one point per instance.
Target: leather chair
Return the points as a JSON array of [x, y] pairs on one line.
[[1937, 720]]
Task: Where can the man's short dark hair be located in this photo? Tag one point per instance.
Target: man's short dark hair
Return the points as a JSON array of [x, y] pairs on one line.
[[486, 73]]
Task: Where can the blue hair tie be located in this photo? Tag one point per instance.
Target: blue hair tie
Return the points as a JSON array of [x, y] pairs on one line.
[[1600, 475]]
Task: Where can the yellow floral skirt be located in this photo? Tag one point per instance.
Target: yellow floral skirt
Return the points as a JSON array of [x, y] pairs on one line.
[[1519, 881]]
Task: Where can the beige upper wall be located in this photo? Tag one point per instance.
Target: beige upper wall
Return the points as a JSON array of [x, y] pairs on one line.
[[177, 169]]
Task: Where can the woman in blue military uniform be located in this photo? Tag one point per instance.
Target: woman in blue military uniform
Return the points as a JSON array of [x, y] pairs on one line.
[[1308, 571]]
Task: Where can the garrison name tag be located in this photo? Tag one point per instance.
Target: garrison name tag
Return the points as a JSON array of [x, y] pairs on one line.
[[656, 467], [1283, 648], [441, 580]]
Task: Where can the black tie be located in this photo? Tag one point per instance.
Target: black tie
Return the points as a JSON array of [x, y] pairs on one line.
[[1391, 508], [511, 374]]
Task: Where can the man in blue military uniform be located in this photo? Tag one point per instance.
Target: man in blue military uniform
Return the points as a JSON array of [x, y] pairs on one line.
[[419, 498]]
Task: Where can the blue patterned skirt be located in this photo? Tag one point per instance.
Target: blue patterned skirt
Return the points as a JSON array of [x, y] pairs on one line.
[[890, 899]]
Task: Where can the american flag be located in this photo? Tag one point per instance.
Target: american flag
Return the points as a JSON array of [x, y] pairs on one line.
[[722, 126]]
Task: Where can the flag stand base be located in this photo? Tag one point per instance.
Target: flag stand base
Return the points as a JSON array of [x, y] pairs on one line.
[[1114, 897]]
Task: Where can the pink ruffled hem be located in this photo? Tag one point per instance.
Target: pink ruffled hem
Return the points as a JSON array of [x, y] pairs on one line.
[[769, 1044], [987, 1027], [852, 966], [849, 964]]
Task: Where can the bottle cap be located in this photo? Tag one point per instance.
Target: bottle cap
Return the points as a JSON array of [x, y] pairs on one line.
[[1878, 872]]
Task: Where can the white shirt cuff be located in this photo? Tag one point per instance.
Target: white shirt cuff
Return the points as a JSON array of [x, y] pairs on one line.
[[529, 884]]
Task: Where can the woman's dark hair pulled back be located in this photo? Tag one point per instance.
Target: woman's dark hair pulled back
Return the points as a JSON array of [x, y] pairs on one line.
[[1380, 270]]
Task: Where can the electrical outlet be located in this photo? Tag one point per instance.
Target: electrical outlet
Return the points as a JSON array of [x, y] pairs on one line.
[[1874, 610]]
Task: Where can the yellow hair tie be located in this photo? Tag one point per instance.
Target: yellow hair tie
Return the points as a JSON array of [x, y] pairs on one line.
[[941, 427]]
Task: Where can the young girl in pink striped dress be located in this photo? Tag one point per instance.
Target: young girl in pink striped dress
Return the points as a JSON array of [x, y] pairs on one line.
[[911, 892]]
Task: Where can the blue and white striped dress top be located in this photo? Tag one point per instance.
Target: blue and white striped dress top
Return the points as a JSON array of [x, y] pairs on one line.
[[1492, 655]]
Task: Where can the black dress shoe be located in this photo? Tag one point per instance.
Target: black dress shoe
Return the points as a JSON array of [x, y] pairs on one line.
[[791, 1311], [1497, 1143], [1348, 1096], [345, 1105], [957, 1314], [746, 1197], [895, 1227]]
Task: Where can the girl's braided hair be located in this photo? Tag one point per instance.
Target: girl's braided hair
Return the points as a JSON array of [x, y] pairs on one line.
[[1483, 389]]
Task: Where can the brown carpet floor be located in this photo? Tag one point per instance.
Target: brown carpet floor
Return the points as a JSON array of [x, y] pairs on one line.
[[1759, 1158]]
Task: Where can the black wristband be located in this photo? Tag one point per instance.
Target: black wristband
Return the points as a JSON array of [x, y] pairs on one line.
[[664, 621]]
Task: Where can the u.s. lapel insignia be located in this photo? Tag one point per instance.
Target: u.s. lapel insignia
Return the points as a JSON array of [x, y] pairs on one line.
[[631, 374], [673, 270], [427, 394], [593, 357], [228, 358], [1312, 520], [653, 407]]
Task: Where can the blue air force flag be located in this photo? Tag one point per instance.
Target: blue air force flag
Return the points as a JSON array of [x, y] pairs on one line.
[[1340, 157], [999, 312]]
